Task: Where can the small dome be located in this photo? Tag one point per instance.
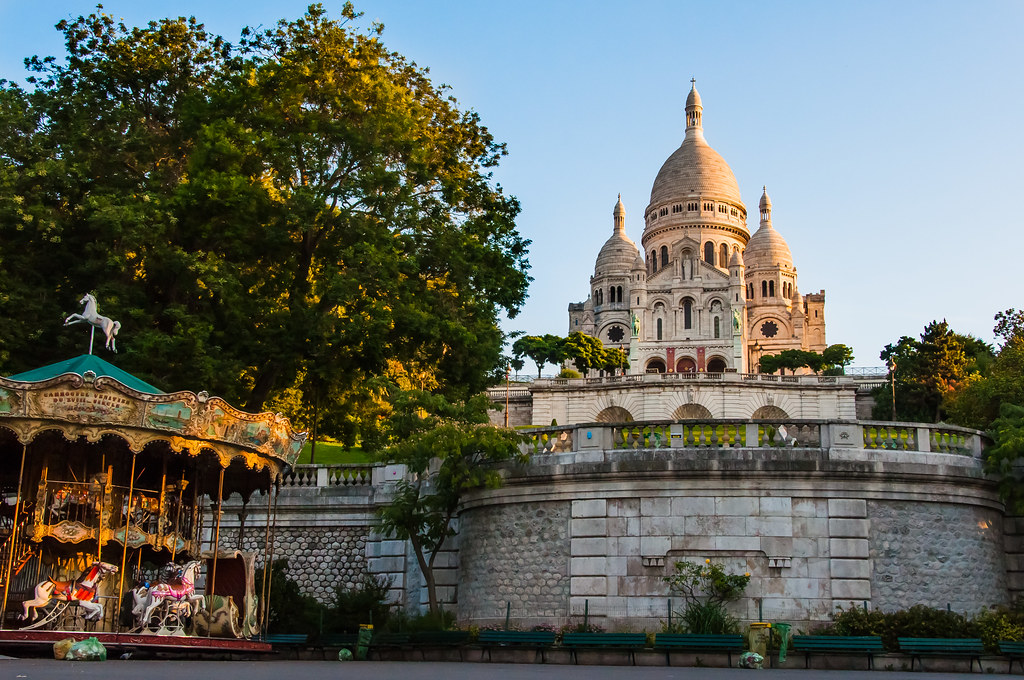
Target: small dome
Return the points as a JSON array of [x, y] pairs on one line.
[[619, 208], [618, 254], [693, 99], [798, 299], [639, 263], [735, 260], [766, 202], [767, 248]]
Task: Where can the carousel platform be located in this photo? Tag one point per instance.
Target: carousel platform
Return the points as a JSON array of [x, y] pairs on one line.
[[122, 642]]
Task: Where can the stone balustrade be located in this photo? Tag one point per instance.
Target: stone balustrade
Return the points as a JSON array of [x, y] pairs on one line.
[[328, 476], [701, 434]]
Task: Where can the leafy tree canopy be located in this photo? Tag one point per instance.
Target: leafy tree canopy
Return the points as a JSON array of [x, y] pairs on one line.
[[303, 211], [978, 403], [928, 370], [832, 360]]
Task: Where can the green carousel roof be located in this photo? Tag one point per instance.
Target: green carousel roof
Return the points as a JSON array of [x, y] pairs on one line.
[[80, 365]]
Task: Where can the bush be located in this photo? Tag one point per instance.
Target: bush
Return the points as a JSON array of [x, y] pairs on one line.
[[366, 603], [999, 623], [290, 610], [400, 622], [569, 373], [707, 589], [918, 621]]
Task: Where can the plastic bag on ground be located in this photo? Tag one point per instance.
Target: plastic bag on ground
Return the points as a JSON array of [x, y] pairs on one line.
[[89, 649], [61, 647], [751, 660]]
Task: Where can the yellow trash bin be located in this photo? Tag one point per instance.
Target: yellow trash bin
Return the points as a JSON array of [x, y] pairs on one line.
[[757, 637]]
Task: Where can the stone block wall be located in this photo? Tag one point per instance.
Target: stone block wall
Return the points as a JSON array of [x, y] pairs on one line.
[[936, 554], [516, 554]]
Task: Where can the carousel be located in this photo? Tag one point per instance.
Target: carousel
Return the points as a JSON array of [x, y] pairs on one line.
[[110, 507]]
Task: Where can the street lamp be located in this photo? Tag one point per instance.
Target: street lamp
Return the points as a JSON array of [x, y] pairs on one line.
[[892, 380]]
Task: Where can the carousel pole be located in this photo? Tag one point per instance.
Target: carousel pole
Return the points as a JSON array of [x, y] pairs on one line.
[[216, 536], [124, 553], [266, 549], [13, 538], [270, 581]]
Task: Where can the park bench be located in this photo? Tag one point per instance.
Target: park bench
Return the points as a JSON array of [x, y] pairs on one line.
[[293, 641], [838, 644], [388, 641], [1014, 651], [628, 642], [918, 647], [535, 639], [692, 642], [337, 641], [450, 639]]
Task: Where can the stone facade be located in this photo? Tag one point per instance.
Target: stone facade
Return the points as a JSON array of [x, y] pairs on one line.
[[704, 294], [517, 554], [940, 554]]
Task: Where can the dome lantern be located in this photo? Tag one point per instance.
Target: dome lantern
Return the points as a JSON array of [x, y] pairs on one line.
[[694, 109]]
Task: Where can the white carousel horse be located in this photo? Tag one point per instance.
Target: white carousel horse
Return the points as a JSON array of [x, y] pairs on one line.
[[173, 595], [81, 591], [89, 316]]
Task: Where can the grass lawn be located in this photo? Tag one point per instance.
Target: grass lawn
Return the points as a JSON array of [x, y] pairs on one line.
[[331, 453]]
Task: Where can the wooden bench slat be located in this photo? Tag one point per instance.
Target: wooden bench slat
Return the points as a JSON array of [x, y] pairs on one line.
[[838, 644], [918, 647], [540, 640], [630, 642]]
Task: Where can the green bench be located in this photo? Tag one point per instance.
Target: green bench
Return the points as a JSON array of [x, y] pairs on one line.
[[838, 644], [692, 642], [629, 642], [534, 639], [337, 641], [1013, 650], [388, 641], [918, 647], [450, 639], [287, 640]]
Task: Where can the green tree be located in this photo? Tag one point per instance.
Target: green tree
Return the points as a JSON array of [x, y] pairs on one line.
[[585, 351], [926, 372], [978, 402], [296, 212], [448, 450], [542, 350], [1006, 457], [706, 589], [835, 359]]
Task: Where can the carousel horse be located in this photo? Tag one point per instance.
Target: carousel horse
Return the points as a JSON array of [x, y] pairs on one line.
[[81, 591], [89, 316], [174, 595]]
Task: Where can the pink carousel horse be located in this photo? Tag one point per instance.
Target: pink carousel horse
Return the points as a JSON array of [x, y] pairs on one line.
[[81, 591], [173, 594]]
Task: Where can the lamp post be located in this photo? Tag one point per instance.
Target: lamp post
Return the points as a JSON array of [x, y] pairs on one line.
[[508, 368], [892, 380]]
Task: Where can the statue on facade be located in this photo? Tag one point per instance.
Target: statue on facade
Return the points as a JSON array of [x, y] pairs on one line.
[[636, 324]]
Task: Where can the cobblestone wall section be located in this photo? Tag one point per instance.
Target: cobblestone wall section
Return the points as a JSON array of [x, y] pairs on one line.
[[936, 554], [319, 558], [514, 553]]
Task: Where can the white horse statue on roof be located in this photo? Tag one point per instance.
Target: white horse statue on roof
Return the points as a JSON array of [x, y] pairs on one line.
[[89, 316]]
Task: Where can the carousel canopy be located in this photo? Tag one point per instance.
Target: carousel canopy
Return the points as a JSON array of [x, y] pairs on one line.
[[80, 366]]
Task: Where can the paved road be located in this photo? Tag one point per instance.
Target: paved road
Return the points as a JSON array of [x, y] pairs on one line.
[[48, 669]]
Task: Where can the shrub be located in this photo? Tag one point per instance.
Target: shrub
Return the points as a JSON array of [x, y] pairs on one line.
[[918, 621], [999, 623], [290, 610], [366, 603], [707, 589]]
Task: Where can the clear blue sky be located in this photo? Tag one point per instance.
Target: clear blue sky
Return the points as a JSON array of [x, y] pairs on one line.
[[888, 133]]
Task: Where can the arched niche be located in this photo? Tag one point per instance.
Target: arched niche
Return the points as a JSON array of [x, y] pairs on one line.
[[614, 414], [769, 413], [691, 412]]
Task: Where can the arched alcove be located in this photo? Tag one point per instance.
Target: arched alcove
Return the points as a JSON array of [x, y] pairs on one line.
[[691, 412], [614, 414], [769, 413]]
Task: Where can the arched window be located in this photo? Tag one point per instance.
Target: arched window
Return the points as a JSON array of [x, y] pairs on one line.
[[611, 294], [764, 289], [771, 289], [687, 313], [723, 256], [654, 261], [664, 256], [618, 294], [718, 328], [709, 252], [659, 329]]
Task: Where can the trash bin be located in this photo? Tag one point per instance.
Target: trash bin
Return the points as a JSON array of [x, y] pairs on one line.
[[782, 630], [363, 640], [757, 637]]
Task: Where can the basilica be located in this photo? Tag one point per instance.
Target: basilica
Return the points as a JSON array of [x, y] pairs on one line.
[[703, 295]]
